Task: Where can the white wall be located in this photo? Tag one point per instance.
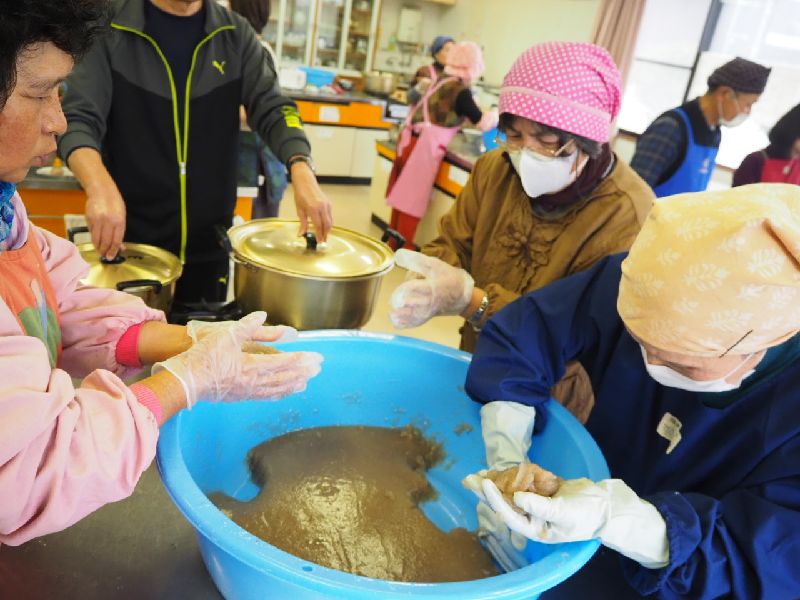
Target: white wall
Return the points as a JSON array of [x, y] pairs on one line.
[[392, 59], [504, 28]]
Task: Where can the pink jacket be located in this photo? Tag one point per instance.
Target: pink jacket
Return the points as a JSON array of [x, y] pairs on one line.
[[66, 451]]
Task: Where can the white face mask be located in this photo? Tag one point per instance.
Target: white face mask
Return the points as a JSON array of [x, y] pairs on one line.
[[671, 378], [543, 174], [740, 117]]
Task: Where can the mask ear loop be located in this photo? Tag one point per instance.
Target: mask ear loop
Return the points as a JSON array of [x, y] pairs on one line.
[[736, 343]]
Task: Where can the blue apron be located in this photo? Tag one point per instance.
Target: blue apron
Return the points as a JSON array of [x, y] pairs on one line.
[[695, 172]]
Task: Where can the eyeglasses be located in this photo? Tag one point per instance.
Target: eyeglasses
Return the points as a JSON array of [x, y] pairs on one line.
[[547, 149]]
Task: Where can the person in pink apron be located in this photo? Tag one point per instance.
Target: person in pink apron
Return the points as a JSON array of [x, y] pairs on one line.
[[427, 75], [780, 161], [424, 138], [66, 449]]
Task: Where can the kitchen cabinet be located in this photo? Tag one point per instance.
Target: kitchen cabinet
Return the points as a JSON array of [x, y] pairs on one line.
[[331, 148], [335, 34]]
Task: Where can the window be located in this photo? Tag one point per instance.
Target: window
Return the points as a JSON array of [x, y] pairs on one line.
[[666, 49], [682, 41]]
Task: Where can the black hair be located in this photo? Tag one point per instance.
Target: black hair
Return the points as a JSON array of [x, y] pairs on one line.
[[255, 11], [785, 133], [71, 25], [590, 147]]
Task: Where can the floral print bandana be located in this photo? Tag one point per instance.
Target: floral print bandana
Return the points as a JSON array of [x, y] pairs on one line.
[[713, 273]]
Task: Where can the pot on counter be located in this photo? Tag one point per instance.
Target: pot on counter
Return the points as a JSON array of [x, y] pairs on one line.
[[331, 285], [142, 270], [381, 84]]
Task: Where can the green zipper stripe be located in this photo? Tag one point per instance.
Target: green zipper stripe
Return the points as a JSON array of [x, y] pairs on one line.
[[182, 149]]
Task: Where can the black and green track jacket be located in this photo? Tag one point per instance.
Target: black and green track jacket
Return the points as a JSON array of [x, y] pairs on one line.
[[178, 180]]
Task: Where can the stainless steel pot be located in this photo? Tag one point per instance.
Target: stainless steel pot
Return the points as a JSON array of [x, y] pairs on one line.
[[304, 284], [379, 83], [142, 270]]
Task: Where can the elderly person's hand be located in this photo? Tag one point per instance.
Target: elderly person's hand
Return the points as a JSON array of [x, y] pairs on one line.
[[215, 368], [198, 330], [583, 510], [310, 201], [439, 290]]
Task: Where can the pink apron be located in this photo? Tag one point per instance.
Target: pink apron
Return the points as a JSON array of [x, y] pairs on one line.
[[411, 192]]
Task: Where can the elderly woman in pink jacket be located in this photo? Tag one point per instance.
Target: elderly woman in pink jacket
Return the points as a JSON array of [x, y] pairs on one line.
[[66, 450]]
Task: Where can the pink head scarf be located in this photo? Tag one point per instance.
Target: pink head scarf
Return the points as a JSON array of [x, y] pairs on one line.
[[465, 60], [573, 86]]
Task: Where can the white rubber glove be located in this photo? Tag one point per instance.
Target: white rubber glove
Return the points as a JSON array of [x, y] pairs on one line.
[[507, 431], [441, 290], [583, 510], [197, 330], [215, 368]]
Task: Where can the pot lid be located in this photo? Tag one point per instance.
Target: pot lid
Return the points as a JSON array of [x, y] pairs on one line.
[[274, 244], [136, 263]]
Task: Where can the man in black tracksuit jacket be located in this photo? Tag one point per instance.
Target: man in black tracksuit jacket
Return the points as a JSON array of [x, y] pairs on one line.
[[159, 169]]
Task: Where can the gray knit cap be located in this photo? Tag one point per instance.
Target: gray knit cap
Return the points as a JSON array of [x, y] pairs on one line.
[[744, 76]]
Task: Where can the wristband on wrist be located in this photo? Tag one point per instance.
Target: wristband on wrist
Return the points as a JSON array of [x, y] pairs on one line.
[[475, 318]]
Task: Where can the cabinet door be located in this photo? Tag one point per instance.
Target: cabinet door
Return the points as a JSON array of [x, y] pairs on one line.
[[329, 33], [331, 148], [295, 30], [360, 34], [364, 151]]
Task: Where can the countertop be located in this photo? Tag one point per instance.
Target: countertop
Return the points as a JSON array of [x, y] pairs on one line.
[[138, 548], [246, 184], [460, 151], [35, 181], [346, 98]]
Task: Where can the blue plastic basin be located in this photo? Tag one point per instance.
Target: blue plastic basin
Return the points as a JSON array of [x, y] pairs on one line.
[[367, 379]]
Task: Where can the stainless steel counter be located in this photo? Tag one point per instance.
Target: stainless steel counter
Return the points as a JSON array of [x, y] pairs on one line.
[[460, 152], [140, 548]]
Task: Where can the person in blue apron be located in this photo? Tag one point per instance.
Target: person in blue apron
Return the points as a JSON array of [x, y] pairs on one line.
[[678, 151], [780, 161], [691, 344]]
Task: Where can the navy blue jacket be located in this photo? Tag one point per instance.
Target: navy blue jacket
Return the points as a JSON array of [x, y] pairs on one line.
[[729, 491]]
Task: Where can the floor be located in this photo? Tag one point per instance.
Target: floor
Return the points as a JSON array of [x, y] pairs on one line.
[[351, 210]]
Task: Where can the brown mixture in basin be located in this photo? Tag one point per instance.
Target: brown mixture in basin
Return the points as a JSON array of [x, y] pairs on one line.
[[348, 498]]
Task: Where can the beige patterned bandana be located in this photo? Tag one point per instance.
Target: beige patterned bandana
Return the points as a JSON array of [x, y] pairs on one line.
[[713, 273]]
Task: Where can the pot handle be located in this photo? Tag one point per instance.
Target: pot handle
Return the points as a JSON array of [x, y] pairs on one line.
[[311, 240], [224, 240], [396, 236], [73, 231], [153, 283]]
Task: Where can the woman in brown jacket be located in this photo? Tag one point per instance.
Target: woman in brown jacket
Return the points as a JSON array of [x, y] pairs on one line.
[[552, 201]]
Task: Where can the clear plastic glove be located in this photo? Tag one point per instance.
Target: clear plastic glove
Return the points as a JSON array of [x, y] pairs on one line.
[[216, 368], [583, 510], [441, 290], [197, 330], [507, 429]]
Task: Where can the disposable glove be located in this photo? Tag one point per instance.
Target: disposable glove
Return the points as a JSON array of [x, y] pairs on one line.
[[507, 430], [439, 290], [215, 368], [582, 510], [197, 330]]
